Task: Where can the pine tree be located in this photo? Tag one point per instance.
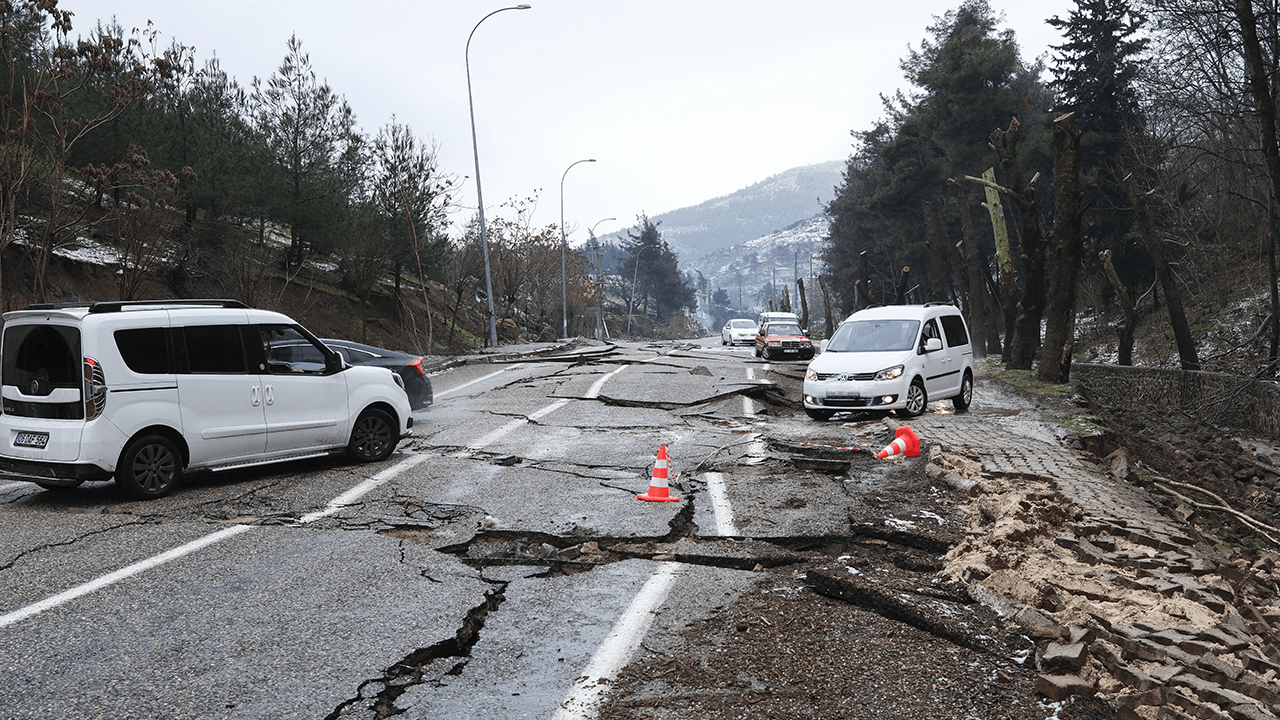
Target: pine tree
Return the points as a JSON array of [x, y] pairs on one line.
[[1095, 72]]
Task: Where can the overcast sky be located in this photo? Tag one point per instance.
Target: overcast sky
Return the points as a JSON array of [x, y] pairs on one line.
[[679, 101]]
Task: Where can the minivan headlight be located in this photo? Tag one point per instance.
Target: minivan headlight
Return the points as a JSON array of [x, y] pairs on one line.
[[892, 373], [809, 374]]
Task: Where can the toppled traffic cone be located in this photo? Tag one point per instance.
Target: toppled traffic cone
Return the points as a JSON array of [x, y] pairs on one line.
[[905, 442], [658, 491]]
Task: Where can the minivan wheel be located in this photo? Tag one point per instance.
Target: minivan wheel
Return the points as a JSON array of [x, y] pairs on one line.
[[916, 399], [373, 438], [961, 401], [150, 468]]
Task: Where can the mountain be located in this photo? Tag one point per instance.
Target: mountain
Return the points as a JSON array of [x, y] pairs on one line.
[[749, 270], [750, 213]]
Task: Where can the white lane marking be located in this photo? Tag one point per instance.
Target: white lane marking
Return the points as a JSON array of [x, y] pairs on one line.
[[618, 647], [720, 504], [594, 391], [200, 543], [749, 405], [351, 496], [473, 382], [125, 572], [518, 422]]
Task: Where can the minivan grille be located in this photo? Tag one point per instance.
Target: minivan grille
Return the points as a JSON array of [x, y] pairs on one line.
[[860, 377]]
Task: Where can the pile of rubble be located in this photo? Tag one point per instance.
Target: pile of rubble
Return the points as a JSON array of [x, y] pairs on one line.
[[1137, 609]]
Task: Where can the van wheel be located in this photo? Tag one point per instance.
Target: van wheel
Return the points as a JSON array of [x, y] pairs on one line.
[[961, 401], [373, 438], [150, 468], [916, 399]]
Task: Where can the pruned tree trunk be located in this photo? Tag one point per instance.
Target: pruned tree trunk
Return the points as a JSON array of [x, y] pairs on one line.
[[1164, 273], [1068, 248], [826, 306], [804, 303], [934, 244], [1263, 101], [1004, 259], [866, 299], [973, 270], [900, 294], [1025, 345], [1130, 323]]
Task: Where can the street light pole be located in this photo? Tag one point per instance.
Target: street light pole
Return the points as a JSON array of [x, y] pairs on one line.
[[564, 274], [484, 235], [631, 305], [595, 246]]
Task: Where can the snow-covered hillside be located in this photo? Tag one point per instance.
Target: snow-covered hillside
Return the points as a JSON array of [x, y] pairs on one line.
[[748, 270]]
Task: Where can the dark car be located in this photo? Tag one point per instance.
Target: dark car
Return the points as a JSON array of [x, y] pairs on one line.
[[409, 367]]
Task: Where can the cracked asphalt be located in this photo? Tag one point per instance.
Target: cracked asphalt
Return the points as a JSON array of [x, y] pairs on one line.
[[486, 568]]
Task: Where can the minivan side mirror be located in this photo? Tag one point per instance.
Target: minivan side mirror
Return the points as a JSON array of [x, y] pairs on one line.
[[932, 344]]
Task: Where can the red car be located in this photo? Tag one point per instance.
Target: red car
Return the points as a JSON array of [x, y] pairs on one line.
[[783, 341]]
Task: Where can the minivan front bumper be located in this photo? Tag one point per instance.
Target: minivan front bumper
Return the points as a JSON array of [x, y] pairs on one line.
[[870, 395]]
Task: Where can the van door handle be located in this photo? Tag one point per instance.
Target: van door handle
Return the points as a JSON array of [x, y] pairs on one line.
[[255, 396], [270, 394]]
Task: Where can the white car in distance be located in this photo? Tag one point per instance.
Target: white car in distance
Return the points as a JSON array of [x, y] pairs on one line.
[[738, 332]]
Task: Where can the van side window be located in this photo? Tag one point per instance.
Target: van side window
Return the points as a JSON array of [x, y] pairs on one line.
[[215, 349], [930, 331], [953, 326], [145, 350], [289, 351]]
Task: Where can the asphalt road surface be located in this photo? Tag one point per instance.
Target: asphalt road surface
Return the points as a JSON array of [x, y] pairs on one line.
[[483, 571]]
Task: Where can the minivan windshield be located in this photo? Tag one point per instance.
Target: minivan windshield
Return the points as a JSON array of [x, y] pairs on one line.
[[874, 336]]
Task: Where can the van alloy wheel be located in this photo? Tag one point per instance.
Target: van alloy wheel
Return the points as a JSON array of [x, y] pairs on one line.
[[916, 399], [373, 438], [151, 467], [961, 402]]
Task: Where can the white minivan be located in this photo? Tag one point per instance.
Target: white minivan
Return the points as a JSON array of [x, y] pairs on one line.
[[897, 357], [144, 391]]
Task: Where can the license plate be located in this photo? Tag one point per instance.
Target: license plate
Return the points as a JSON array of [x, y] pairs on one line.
[[790, 350], [32, 439], [843, 394]]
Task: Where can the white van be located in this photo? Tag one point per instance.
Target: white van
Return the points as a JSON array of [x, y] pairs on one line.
[[769, 317], [143, 391], [898, 357]]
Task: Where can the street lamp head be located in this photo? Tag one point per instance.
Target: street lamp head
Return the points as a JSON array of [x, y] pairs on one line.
[[523, 7]]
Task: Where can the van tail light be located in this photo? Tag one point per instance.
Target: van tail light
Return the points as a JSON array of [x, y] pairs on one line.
[[416, 364], [95, 389]]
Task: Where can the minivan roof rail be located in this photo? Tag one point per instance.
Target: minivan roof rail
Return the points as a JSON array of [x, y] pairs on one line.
[[119, 305]]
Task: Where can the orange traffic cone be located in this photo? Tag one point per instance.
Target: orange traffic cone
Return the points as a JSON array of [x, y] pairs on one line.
[[658, 484], [905, 442]]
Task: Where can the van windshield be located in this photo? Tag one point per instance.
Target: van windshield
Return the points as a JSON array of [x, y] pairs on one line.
[[874, 336]]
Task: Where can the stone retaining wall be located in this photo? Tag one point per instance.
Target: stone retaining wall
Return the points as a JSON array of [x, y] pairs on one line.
[[1217, 398]]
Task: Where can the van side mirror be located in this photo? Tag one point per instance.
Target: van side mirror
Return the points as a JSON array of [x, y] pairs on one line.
[[932, 344]]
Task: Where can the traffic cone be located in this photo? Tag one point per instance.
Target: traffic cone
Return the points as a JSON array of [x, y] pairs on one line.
[[658, 484], [905, 442]]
